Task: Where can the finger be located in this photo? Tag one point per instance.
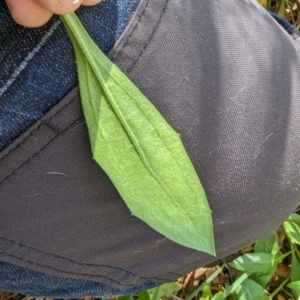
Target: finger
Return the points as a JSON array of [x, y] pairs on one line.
[[90, 2], [28, 13], [60, 7]]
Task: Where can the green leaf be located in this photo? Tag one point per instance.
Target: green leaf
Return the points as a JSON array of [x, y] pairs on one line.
[[295, 287], [267, 245], [250, 290], [256, 262], [155, 295], [263, 279], [295, 268], [281, 9], [294, 218], [144, 295], [206, 282], [206, 293], [292, 231], [165, 290], [231, 288], [218, 295], [143, 156]]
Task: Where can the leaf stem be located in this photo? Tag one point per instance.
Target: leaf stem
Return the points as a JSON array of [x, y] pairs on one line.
[[207, 281], [279, 287]]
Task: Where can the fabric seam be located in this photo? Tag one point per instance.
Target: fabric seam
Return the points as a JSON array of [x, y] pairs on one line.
[[44, 122], [150, 38], [33, 131], [135, 27]]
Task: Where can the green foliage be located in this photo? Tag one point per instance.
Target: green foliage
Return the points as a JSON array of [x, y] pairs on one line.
[[295, 267], [143, 156], [206, 293], [164, 290], [250, 290], [206, 282], [294, 218], [231, 288], [267, 245], [256, 271], [256, 262], [292, 230], [295, 287], [144, 295], [260, 266]]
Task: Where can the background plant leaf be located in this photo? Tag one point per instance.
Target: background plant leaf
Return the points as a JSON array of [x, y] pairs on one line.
[[294, 218], [295, 268], [144, 295], [263, 278], [267, 245], [231, 288], [164, 290], [206, 293], [256, 262], [295, 287], [250, 290], [292, 230]]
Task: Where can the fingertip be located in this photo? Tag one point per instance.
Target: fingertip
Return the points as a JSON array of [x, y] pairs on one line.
[[28, 13], [90, 2], [60, 7]]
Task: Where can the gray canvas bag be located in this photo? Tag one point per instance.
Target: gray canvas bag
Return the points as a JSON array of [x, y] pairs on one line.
[[229, 85]]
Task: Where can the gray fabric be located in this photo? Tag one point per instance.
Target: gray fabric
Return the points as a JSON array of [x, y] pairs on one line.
[[226, 77]]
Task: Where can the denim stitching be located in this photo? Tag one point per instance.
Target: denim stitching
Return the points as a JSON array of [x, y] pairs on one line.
[[6, 86], [150, 38], [25, 62], [35, 154], [132, 31], [68, 272], [70, 261], [41, 251], [24, 163], [42, 123]]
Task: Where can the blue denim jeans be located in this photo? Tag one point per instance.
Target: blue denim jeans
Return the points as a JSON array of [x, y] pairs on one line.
[[29, 86], [30, 83]]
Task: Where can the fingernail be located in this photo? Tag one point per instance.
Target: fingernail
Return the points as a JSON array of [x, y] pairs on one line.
[[68, 3]]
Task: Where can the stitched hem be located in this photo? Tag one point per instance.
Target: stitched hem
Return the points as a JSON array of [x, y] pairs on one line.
[[71, 261], [58, 132], [150, 38]]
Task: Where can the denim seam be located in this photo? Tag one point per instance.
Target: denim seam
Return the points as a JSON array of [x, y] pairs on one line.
[[36, 153], [150, 38], [27, 59], [68, 260], [33, 132], [140, 17], [45, 122], [68, 272]]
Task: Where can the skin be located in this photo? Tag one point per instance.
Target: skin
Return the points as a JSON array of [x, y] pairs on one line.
[[35, 13]]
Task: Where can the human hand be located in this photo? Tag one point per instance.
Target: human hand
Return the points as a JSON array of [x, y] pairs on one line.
[[34, 13]]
